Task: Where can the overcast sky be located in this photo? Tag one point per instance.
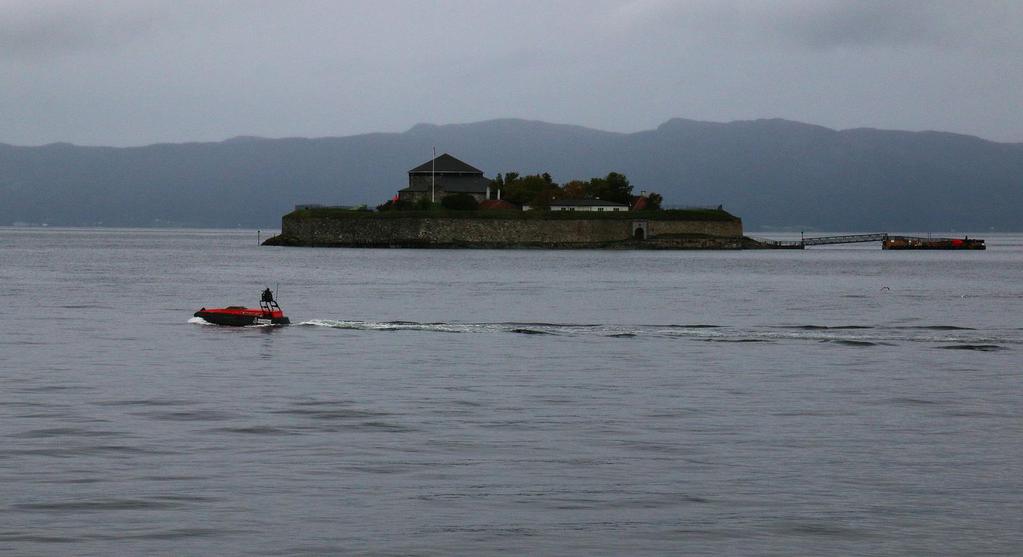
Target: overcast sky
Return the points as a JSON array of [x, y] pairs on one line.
[[133, 72]]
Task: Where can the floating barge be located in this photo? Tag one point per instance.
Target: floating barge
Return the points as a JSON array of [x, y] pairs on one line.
[[887, 242], [909, 242]]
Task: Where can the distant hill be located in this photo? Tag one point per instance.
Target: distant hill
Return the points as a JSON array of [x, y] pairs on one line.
[[773, 173]]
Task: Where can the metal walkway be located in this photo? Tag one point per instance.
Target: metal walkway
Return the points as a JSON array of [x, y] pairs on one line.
[[823, 240], [849, 239]]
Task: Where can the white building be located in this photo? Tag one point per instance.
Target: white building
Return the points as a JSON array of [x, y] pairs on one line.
[[587, 205]]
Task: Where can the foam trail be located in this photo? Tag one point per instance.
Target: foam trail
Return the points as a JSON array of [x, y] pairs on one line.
[[863, 336]]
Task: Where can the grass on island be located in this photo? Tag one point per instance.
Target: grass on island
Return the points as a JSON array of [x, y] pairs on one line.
[[719, 215]]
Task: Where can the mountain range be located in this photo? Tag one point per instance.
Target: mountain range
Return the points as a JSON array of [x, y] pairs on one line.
[[775, 174]]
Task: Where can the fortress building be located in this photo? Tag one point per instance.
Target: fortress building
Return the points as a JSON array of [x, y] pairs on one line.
[[446, 175]]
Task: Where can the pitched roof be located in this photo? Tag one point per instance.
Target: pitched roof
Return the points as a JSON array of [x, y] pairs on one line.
[[585, 203], [445, 163]]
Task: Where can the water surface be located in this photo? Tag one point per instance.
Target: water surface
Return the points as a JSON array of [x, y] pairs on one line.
[[834, 401]]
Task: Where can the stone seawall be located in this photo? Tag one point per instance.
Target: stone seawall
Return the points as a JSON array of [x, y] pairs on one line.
[[508, 233]]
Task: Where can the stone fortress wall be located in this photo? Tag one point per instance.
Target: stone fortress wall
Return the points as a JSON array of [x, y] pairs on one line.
[[419, 231]]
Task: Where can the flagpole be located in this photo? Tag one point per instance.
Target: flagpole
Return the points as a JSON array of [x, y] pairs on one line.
[[433, 177]]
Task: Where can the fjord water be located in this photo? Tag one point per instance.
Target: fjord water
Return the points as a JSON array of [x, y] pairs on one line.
[[839, 401]]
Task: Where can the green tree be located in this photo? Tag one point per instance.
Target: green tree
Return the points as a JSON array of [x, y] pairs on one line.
[[396, 205], [543, 198], [425, 204], [619, 188], [529, 189], [460, 202], [613, 187]]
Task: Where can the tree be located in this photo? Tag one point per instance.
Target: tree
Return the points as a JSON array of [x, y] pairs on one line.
[[395, 205], [653, 201], [576, 189], [613, 187], [619, 188], [425, 204], [529, 189], [543, 198], [460, 202]]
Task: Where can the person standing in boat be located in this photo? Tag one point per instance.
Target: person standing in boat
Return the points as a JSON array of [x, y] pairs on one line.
[[268, 296]]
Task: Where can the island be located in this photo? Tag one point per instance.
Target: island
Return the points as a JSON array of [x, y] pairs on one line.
[[451, 204]]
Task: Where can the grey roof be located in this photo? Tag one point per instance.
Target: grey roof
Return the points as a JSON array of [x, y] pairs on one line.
[[586, 203], [445, 164]]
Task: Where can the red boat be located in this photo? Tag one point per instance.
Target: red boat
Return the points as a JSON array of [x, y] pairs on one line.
[[268, 313]]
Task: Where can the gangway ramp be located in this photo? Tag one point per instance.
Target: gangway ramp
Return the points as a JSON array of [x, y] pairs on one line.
[[764, 243], [846, 239]]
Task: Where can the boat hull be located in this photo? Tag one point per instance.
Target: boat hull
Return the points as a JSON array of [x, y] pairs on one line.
[[241, 317], [906, 243]]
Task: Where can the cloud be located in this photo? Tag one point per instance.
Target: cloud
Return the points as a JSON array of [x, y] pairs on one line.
[[48, 28], [829, 24], [834, 24], [819, 25], [132, 71]]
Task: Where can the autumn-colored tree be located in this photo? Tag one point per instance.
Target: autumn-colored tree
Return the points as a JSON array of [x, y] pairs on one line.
[[543, 199], [576, 189]]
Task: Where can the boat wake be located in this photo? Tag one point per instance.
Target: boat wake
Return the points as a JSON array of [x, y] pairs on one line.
[[849, 336]]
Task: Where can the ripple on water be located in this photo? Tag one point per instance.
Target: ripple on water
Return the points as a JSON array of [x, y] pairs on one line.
[[167, 534], [145, 402], [98, 505], [328, 413], [975, 347], [255, 430], [64, 432], [188, 415], [116, 451], [855, 343]]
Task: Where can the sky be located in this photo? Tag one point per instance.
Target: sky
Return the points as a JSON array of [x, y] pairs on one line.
[[135, 72]]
